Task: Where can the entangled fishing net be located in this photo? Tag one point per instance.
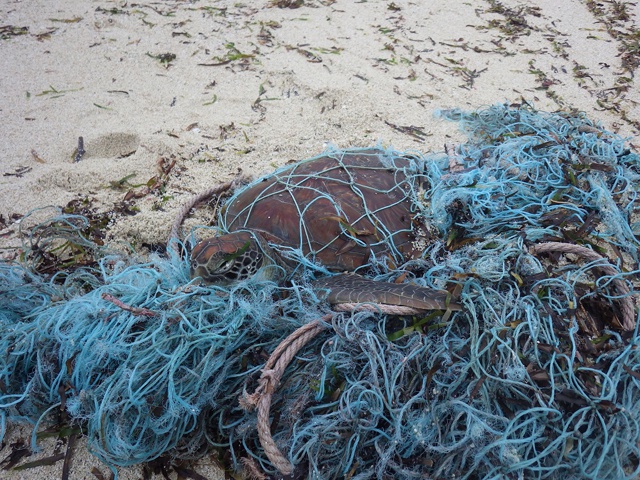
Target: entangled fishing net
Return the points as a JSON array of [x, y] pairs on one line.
[[537, 376]]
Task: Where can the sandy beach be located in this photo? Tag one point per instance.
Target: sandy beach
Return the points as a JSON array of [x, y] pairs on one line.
[[173, 97]]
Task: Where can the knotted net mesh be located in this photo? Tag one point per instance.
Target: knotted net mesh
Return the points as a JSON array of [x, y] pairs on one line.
[[534, 378]]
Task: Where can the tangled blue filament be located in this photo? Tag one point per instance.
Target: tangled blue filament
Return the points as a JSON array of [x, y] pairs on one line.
[[510, 387]]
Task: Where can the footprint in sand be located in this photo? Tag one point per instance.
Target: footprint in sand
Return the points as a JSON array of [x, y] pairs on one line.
[[111, 145]]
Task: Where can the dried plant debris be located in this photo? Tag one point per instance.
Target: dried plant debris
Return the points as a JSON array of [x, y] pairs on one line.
[[464, 45], [287, 3], [155, 184], [65, 436], [46, 35], [19, 450], [457, 68], [101, 476], [50, 460], [59, 245], [18, 172], [112, 11], [514, 20], [36, 156], [310, 56], [617, 18], [66, 20], [417, 133], [9, 31], [53, 92], [232, 54], [165, 59], [76, 238]]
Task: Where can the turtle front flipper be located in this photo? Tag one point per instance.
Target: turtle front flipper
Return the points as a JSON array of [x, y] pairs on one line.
[[352, 288]]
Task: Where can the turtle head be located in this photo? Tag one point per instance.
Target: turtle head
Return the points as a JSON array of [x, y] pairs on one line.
[[227, 258]]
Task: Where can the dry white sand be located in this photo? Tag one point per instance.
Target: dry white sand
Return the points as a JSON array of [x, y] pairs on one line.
[[253, 86]]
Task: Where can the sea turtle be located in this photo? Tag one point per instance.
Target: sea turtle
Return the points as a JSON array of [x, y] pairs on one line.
[[338, 209]]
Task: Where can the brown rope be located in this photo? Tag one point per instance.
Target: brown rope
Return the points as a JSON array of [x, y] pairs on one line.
[[626, 303], [251, 469], [184, 211], [278, 362], [268, 383]]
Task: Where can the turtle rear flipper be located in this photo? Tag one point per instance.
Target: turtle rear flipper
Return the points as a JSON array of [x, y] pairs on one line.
[[352, 288]]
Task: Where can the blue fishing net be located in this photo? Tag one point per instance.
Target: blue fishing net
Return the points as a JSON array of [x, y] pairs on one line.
[[534, 378]]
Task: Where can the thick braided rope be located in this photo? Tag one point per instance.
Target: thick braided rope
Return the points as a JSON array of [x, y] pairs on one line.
[[376, 308], [268, 383], [626, 303], [192, 202], [280, 359]]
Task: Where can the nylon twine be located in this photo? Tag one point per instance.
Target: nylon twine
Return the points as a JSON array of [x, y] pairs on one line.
[[535, 226]]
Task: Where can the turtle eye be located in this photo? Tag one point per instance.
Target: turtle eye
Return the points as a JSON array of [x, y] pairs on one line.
[[226, 266]]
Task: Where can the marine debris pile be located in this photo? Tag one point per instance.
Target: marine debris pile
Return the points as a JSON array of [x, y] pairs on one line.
[[538, 376]]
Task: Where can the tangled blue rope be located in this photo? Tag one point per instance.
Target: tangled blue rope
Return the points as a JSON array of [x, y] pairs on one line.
[[530, 380]]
